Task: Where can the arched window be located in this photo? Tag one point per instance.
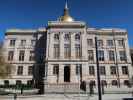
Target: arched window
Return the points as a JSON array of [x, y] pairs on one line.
[[114, 82], [6, 82], [56, 70], [92, 83], [67, 37], [30, 82], [126, 82], [56, 36], [18, 82], [77, 37], [103, 82]]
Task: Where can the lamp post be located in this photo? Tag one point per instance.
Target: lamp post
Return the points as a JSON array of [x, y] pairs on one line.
[[98, 72], [79, 80]]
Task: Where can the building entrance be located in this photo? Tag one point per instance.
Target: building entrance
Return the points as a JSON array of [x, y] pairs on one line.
[[67, 74]]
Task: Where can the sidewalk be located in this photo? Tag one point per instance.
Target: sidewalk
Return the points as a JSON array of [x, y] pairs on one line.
[[68, 97]]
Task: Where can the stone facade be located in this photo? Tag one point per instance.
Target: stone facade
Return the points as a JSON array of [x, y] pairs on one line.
[[66, 52]]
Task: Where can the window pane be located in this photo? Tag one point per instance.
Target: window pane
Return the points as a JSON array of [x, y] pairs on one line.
[[123, 56], [67, 37], [12, 42], [30, 70], [77, 37], [100, 55], [110, 42], [114, 82], [18, 82], [90, 55], [121, 42], [78, 69], [124, 70], [67, 51], [56, 51], [20, 70], [32, 56], [56, 36], [21, 55], [111, 55], [23, 42], [99, 43], [10, 55], [33, 42], [77, 50], [113, 70], [91, 70], [90, 42], [56, 69], [102, 70]]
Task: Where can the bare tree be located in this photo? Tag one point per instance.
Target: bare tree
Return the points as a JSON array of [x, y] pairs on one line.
[[5, 67]]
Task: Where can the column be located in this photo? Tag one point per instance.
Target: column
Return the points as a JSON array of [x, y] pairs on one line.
[[130, 69], [72, 45], [50, 74], [73, 76], [51, 43], [127, 50], [84, 71], [48, 43], [61, 45], [84, 45], [61, 73]]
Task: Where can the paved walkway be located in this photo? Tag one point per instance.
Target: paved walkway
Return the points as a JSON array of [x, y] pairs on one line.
[[68, 97]]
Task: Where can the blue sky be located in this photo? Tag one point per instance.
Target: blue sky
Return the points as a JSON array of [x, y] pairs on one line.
[[96, 13]]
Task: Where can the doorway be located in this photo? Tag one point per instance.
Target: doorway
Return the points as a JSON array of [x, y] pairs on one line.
[[67, 74]]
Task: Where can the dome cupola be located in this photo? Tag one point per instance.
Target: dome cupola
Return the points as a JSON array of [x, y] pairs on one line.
[[66, 17]]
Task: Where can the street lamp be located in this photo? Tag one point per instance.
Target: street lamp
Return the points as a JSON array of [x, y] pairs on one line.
[[98, 72]]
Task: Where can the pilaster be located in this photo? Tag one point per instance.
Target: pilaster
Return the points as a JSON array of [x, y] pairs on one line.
[[61, 73], [61, 45]]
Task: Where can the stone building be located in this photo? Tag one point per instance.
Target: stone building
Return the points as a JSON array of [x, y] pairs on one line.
[[64, 52]]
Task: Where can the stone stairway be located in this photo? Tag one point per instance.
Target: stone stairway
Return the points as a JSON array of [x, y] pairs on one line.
[[62, 88], [75, 88]]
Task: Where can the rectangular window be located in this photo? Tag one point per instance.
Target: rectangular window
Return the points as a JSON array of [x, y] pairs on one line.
[[20, 70], [12, 42], [111, 55], [124, 70], [23, 43], [90, 42], [56, 69], [30, 70], [90, 55], [113, 70], [110, 42], [91, 70], [18, 82], [32, 56], [10, 55], [67, 37], [6, 82], [33, 42], [123, 56], [67, 51], [102, 70], [21, 55], [78, 50], [99, 43], [121, 42], [56, 50], [78, 69], [100, 55]]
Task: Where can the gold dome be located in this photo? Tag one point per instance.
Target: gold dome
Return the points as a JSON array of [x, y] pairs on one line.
[[66, 17]]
